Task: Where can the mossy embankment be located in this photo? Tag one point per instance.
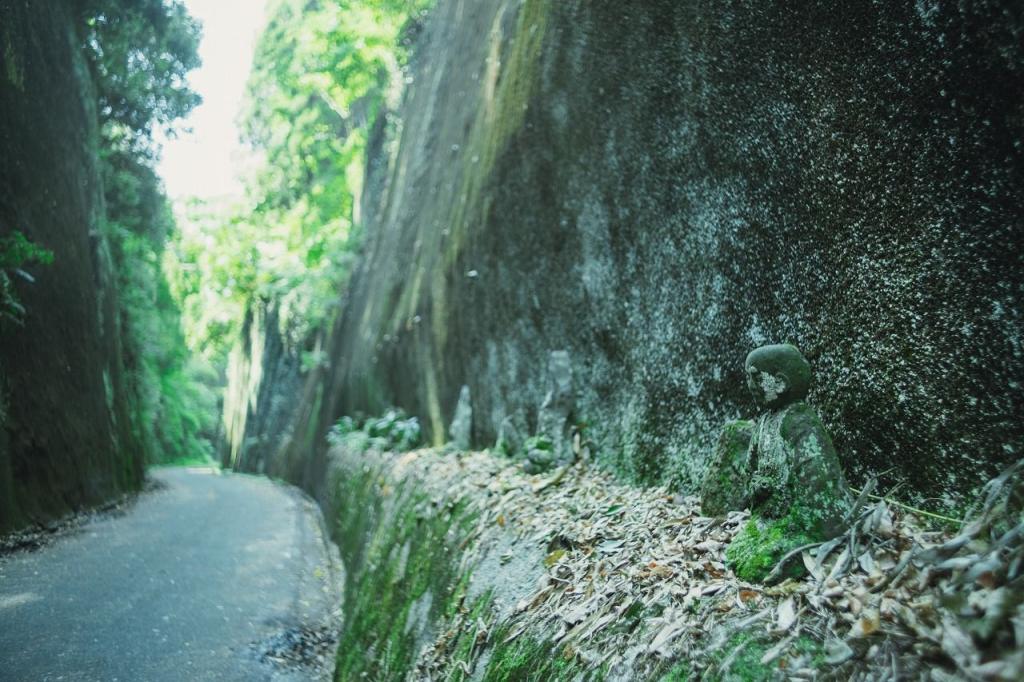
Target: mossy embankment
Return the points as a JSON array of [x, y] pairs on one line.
[[418, 593], [462, 567], [401, 551]]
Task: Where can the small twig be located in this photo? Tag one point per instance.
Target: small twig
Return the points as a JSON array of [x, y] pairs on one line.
[[789, 555], [862, 498], [894, 574], [907, 507]]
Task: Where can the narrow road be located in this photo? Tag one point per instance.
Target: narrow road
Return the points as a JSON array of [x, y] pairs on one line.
[[210, 577]]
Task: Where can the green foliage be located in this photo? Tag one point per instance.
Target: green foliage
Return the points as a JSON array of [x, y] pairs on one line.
[[175, 400], [212, 265], [140, 52], [322, 73], [16, 252], [529, 660], [395, 431]]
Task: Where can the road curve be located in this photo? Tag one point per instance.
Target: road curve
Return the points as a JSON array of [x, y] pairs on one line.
[[209, 577]]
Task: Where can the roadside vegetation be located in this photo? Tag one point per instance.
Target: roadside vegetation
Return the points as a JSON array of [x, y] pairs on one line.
[[324, 74], [140, 53]]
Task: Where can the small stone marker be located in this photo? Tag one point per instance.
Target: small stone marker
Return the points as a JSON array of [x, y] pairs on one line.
[[553, 443], [461, 429], [510, 434]]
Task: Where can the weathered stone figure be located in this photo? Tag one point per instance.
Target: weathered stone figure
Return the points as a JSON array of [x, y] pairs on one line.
[[461, 429], [553, 443], [783, 465]]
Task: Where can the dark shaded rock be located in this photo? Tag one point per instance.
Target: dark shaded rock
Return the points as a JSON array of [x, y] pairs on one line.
[[67, 438], [264, 377], [655, 187]]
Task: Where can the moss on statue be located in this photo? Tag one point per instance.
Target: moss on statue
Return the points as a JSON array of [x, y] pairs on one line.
[[730, 467], [783, 467]]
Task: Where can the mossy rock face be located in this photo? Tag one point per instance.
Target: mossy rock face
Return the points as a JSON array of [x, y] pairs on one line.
[[757, 214], [402, 567], [72, 432]]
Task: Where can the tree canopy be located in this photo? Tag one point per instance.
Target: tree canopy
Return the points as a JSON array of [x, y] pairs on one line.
[[140, 53], [323, 72]]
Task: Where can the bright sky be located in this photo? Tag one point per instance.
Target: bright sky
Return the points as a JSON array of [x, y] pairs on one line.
[[207, 162]]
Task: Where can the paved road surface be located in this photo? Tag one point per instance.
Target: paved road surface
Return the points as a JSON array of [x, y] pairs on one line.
[[198, 580]]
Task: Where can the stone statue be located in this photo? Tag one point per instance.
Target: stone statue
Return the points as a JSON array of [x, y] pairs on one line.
[[461, 429], [552, 445], [510, 434], [782, 465]]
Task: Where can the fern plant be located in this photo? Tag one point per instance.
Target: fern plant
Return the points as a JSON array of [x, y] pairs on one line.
[[16, 252]]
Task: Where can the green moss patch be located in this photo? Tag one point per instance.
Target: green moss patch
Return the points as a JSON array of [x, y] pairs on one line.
[[757, 548], [740, 659], [530, 660], [400, 552]]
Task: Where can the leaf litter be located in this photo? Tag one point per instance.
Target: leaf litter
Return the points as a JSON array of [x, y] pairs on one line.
[[634, 580]]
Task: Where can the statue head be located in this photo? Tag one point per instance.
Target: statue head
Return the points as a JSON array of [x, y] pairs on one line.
[[777, 375]]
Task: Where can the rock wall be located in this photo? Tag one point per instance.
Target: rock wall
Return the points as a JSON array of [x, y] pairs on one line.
[[264, 378], [659, 188], [66, 439]]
